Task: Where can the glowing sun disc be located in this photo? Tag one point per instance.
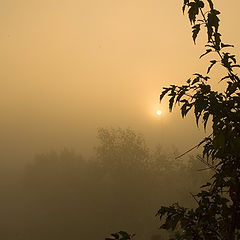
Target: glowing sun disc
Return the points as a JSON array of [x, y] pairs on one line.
[[159, 112]]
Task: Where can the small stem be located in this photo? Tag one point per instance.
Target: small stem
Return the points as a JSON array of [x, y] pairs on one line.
[[196, 146], [187, 152], [194, 198]]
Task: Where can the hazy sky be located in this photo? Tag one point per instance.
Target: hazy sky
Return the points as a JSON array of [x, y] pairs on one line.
[[68, 67]]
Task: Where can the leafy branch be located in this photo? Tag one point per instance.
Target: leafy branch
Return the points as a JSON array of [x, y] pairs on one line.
[[217, 215], [121, 236]]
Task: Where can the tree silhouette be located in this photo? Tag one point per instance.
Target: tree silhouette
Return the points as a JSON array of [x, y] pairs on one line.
[[217, 215], [121, 148]]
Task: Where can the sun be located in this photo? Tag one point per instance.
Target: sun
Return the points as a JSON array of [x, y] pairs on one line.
[[159, 112]]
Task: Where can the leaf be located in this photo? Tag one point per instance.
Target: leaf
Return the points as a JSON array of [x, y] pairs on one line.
[[163, 226], [201, 4], [238, 66], [232, 87], [115, 235], [217, 37], [209, 32], [193, 12], [213, 62], [211, 46], [213, 22], [186, 107], [226, 45], [174, 221], [213, 19], [196, 29], [125, 235], [180, 94], [186, 2], [164, 92], [204, 89], [205, 119], [225, 78], [206, 185], [225, 60], [207, 51], [233, 58], [195, 80], [210, 4], [121, 236], [219, 141], [171, 101], [183, 8], [198, 74]]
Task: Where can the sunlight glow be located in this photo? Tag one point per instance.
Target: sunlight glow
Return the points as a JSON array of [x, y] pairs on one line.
[[159, 112]]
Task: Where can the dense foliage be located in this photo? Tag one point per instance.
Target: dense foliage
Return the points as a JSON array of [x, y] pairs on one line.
[[217, 215]]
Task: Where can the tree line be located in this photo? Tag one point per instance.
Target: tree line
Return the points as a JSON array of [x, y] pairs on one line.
[[61, 195]]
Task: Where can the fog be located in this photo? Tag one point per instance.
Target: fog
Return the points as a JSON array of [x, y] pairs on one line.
[[71, 69], [62, 195]]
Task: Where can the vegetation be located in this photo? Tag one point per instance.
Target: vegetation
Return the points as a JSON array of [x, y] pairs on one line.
[[61, 195], [217, 214], [121, 148]]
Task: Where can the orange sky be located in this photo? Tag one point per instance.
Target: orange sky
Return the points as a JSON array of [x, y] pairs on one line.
[[68, 67]]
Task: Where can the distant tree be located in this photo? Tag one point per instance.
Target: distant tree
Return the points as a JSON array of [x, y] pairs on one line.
[[57, 163], [53, 172], [165, 161], [121, 148]]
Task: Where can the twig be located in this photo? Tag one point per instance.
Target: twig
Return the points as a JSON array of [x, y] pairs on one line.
[[187, 152], [194, 198], [206, 163], [204, 169], [194, 147]]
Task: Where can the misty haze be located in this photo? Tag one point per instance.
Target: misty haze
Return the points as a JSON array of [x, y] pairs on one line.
[[86, 148]]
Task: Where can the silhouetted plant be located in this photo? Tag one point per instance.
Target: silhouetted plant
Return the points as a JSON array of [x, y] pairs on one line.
[[121, 236], [217, 215]]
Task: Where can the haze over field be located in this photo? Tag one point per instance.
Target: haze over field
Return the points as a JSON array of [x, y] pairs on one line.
[[69, 67]]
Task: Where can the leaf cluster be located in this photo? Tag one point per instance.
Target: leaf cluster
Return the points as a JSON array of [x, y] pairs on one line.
[[194, 223], [197, 93], [122, 235], [217, 215]]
